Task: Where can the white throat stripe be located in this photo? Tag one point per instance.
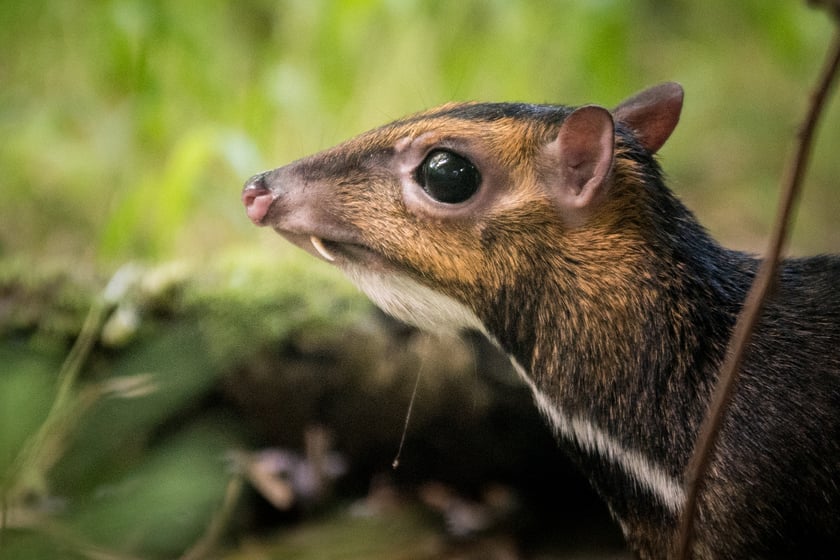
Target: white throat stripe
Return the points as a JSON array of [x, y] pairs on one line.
[[591, 438]]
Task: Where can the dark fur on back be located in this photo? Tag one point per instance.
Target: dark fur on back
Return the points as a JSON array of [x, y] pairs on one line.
[[774, 484]]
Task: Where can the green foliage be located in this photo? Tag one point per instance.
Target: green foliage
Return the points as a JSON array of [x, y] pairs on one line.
[[117, 437], [173, 492], [129, 126], [26, 391], [402, 534]]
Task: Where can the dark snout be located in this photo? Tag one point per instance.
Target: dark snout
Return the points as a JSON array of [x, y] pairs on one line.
[[257, 197]]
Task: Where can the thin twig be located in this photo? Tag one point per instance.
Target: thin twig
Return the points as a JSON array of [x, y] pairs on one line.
[[764, 282]]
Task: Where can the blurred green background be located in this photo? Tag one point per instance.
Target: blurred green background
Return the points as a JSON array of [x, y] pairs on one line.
[[128, 128]]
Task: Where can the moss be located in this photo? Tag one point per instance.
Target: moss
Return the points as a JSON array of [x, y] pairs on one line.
[[130, 464], [400, 533]]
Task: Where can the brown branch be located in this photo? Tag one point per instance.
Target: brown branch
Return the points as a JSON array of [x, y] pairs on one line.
[[764, 282]]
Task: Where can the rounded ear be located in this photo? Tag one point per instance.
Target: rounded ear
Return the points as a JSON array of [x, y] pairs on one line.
[[652, 114], [584, 152]]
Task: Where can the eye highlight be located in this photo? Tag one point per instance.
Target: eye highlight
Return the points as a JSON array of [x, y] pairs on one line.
[[448, 177]]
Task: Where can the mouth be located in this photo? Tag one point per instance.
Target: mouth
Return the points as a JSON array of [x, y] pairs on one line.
[[320, 248], [334, 252], [295, 224]]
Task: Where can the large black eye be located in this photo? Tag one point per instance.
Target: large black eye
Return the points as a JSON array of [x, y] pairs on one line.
[[448, 177]]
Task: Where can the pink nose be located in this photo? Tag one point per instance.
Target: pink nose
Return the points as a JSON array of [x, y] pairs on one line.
[[257, 199]]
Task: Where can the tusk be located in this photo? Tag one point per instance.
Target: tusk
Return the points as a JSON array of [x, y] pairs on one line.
[[319, 246]]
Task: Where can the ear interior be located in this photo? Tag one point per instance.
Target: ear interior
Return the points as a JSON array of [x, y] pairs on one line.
[[584, 147], [652, 114]]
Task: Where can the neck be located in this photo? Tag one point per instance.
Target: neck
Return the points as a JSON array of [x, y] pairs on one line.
[[622, 362]]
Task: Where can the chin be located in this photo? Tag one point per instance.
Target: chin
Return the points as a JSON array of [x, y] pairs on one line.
[[410, 301]]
